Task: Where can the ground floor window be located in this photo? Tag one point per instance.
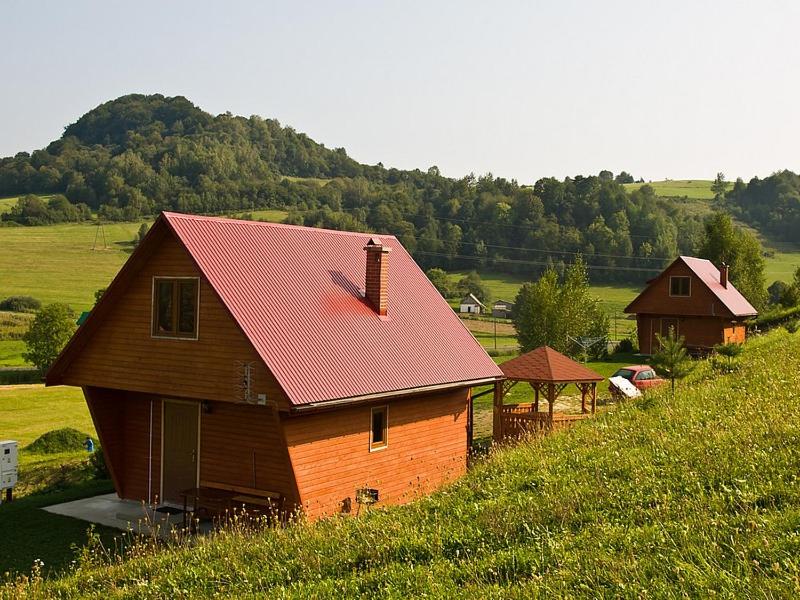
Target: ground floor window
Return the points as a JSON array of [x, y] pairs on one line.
[[378, 435]]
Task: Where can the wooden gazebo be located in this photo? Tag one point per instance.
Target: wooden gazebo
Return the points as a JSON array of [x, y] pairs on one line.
[[548, 372]]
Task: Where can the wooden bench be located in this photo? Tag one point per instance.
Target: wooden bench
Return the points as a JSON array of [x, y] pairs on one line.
[[252, 500]]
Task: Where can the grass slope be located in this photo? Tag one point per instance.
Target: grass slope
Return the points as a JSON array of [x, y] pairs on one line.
[[28, 411], [6, 204], [699, 189], [56, 263], [28, 533], [660, 498], [69, 262]]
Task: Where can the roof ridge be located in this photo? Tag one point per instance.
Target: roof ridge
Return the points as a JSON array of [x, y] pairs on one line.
[[217, 219]]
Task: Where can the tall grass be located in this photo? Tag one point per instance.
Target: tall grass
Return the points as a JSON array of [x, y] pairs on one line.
[[694, 496]]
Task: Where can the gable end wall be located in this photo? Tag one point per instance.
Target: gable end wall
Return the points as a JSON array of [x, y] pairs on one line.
[[122, 354]]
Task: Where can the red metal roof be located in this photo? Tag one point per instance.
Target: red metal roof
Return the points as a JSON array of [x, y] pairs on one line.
[[729, 296], [297, 293], [546, 365]]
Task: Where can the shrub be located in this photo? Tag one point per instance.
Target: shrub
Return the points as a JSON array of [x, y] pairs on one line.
[[16, 376], [625, 345], [66, 439], [97, 461], [791, 326], [20, 304]]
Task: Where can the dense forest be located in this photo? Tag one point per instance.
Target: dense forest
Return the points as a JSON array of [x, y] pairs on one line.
[[771, 204], [138, 155]]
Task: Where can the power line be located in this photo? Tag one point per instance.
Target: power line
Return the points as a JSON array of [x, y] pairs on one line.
[[534, 262], [569, 252]]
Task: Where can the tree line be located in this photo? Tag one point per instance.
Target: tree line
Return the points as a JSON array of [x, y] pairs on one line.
[[138, 155]]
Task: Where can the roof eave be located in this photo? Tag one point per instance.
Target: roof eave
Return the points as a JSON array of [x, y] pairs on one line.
[[337, 402]]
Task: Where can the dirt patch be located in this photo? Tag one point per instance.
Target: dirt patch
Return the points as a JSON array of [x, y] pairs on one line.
[[488, 327]]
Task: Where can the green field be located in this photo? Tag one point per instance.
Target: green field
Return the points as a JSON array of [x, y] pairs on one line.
[[661, 497], [315, 180], [69, 262], [62, 263], [699, 189], [6, 204], [783, 264], [272, 215], [28, 411]]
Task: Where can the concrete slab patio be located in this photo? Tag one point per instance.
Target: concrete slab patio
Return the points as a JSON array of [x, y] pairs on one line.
[[126, 515]]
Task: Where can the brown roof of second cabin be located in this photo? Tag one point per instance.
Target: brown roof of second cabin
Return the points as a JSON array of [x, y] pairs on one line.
[[546, 365]]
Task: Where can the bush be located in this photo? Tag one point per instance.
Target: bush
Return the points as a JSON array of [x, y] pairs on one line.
[[792, 326], [15, 376], [776, 316], [625, 345], [20, 304], [97, 461], [66, 439]]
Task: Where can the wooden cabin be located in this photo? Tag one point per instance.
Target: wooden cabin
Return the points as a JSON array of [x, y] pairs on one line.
[[696, 300], [273, 360], [501, 309]]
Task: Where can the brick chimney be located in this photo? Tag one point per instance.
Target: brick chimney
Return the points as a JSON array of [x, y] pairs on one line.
[[377, 280], [723, 275]]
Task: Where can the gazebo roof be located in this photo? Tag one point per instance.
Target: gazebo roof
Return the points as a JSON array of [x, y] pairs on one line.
[[545, 365]]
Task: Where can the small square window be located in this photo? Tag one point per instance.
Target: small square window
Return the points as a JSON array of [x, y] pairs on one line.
[[679, 286], [175, 307], [379, 430]]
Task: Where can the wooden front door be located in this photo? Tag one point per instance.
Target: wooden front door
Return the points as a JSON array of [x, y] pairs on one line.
[[180, 448]]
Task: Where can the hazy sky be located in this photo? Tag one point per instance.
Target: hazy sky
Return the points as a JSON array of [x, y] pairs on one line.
[[521, 89]]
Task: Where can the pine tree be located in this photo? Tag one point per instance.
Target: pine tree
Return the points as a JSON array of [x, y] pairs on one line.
[[672, 361]]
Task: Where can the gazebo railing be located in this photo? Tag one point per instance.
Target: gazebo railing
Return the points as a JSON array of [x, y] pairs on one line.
[[519, 420]]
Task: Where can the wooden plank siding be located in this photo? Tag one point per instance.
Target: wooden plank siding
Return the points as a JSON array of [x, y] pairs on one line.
[[122, 421], [330, 455], [107, 418], [140, 464], [700, 332], [122, 354], [243, 445], [655, 299]]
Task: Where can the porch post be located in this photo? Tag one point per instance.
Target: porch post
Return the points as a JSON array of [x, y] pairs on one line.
[[582, 386], [497, 422], [594, 396], [536, 397], [551, 398]]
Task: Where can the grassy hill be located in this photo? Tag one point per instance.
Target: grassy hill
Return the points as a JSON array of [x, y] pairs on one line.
[[659, 498], [699, 189]]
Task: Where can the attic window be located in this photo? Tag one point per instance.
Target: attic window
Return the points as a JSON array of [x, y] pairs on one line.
[[680, 286], [175, 307], [379, 430]]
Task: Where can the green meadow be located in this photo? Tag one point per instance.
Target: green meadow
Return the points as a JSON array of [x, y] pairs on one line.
[[699, 189], [658, 497]]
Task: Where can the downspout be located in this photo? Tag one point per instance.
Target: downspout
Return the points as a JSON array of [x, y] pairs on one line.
[[150, 459]]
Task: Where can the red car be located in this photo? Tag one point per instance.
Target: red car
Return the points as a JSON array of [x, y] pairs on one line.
[[641, 376]]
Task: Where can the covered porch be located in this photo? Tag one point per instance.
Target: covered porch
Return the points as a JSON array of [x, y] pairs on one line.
[[548, 373]]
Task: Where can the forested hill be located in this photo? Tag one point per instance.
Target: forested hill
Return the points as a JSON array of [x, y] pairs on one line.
[[137, 155]]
